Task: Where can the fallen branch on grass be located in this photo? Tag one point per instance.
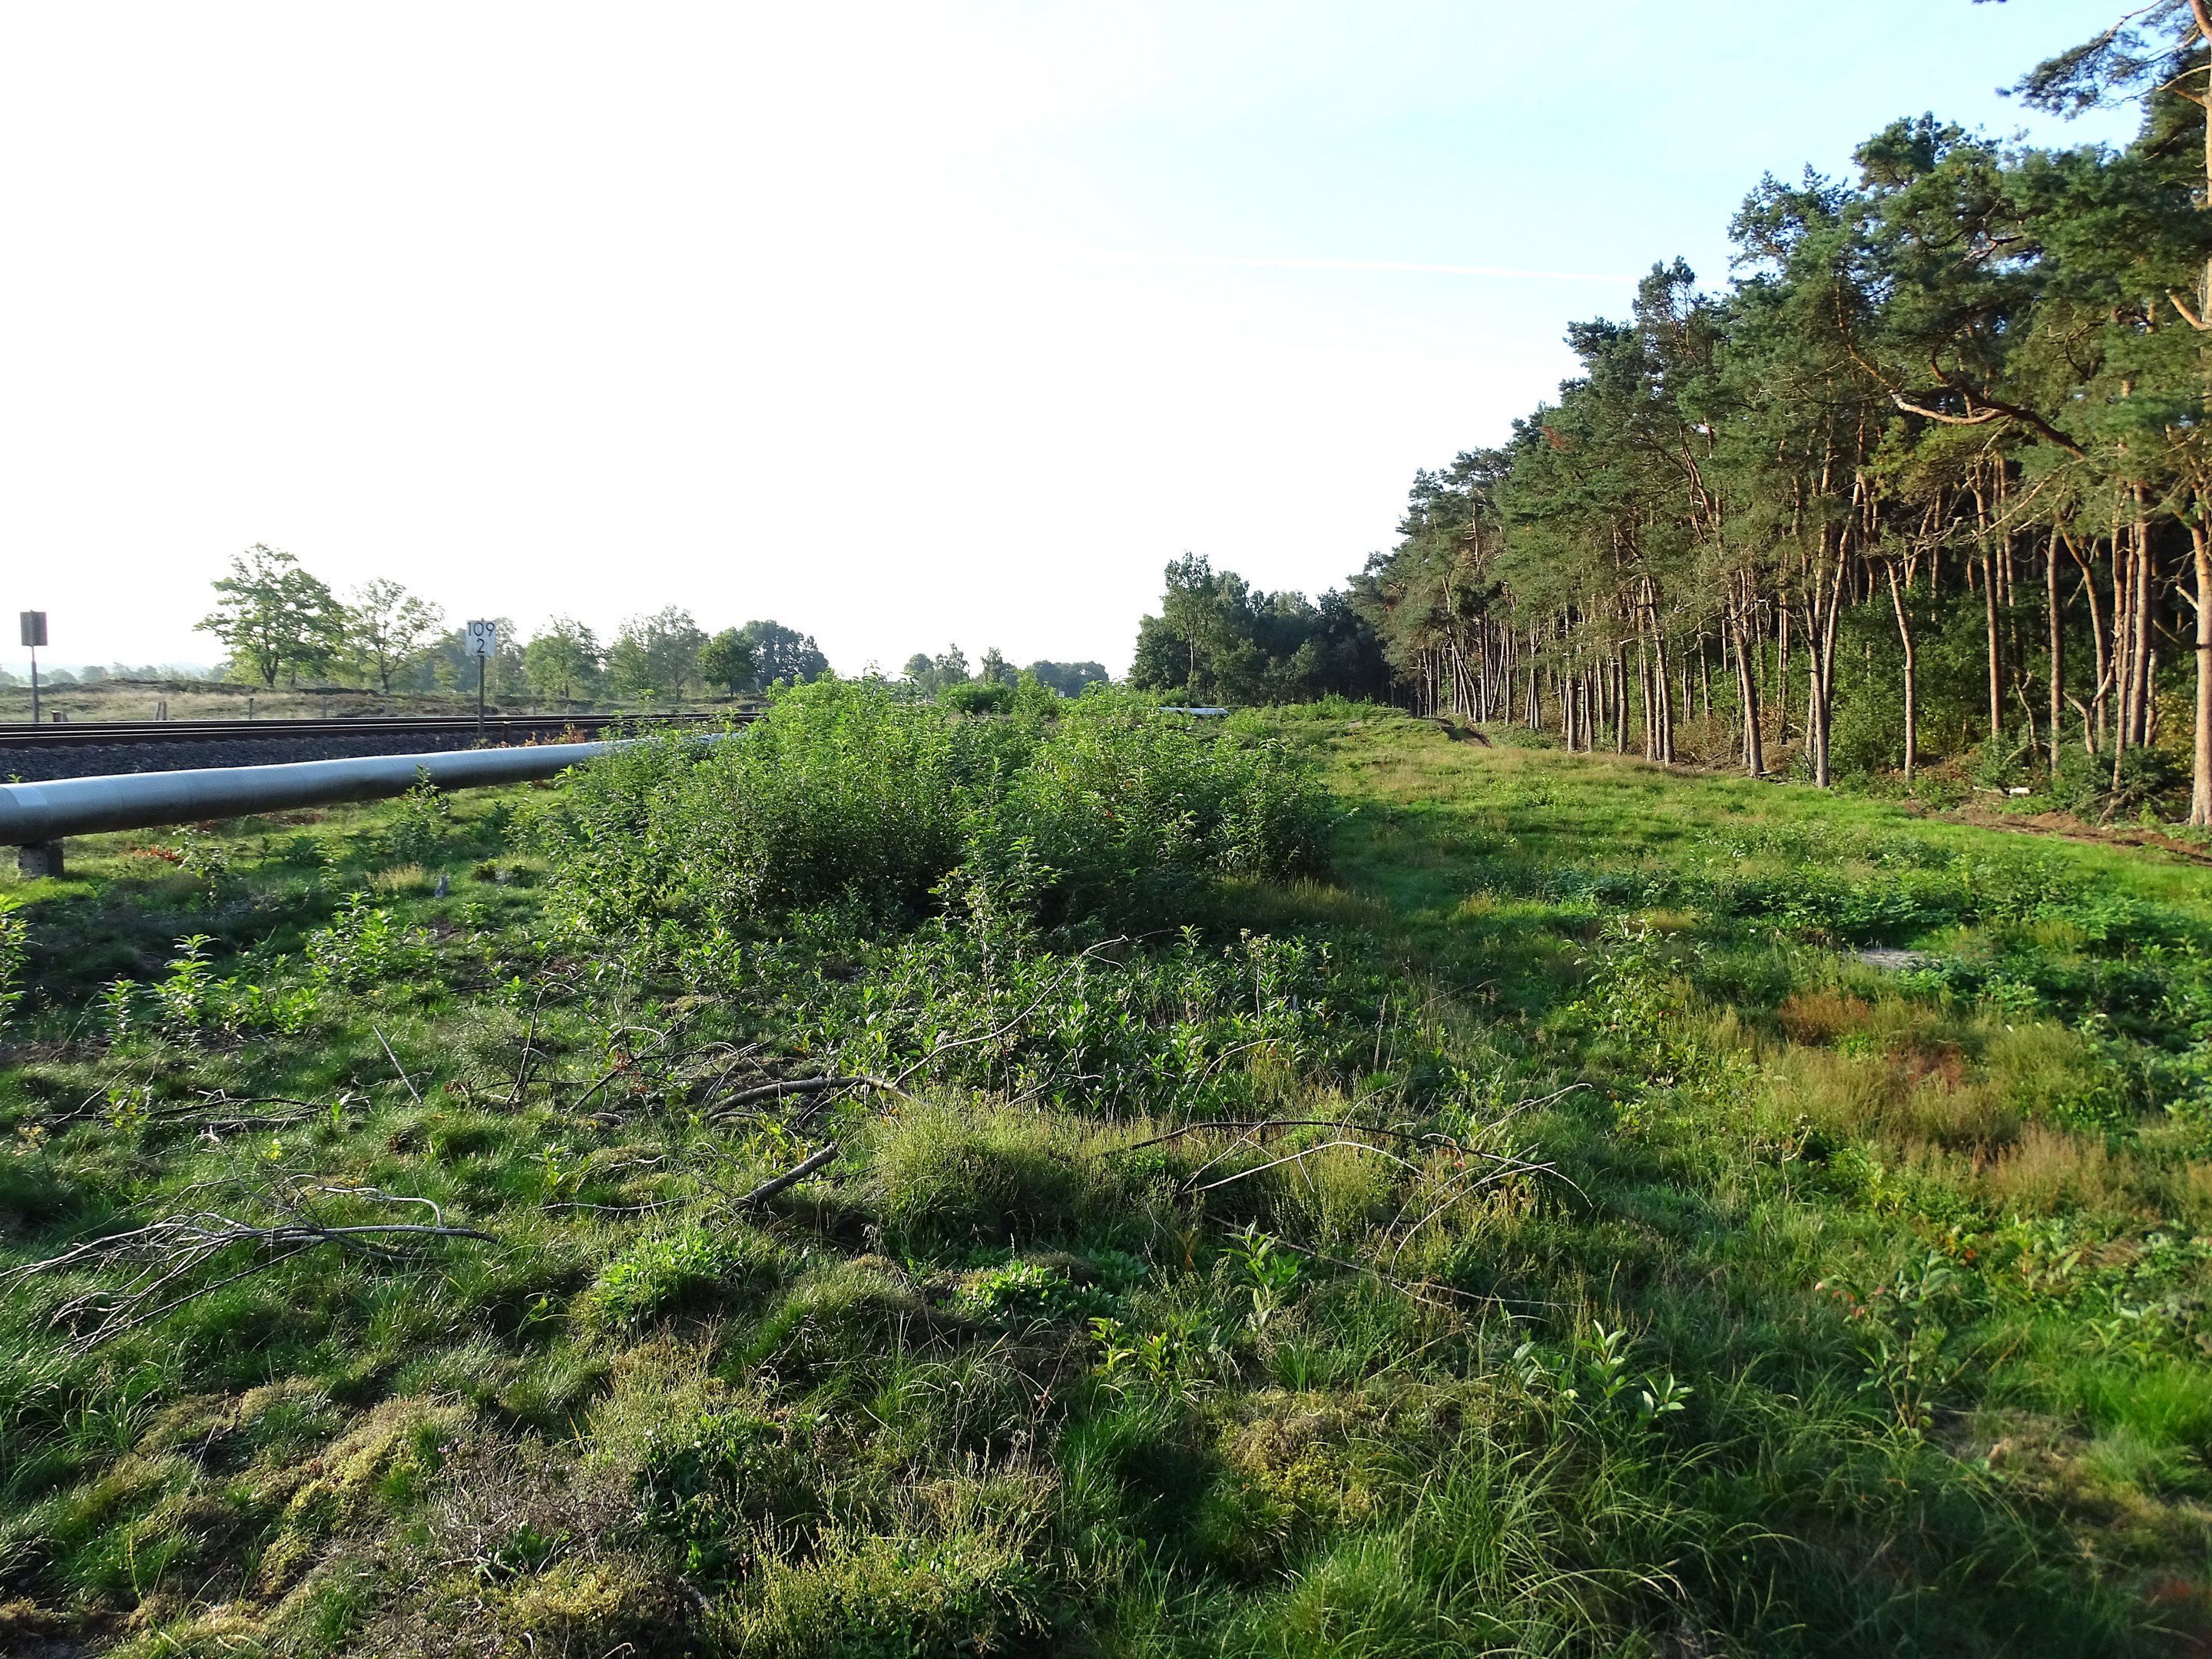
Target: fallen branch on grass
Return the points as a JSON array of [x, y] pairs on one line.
[[1190, 1191], [768, 1189], [396, 1065], [1247, 1129], [1015, 1023], [167, 1252], [799, 1085]]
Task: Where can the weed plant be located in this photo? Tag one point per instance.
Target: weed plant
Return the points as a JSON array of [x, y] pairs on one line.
[[1313, 1185]]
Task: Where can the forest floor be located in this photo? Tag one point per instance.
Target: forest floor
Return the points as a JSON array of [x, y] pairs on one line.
[[1608, 1212]]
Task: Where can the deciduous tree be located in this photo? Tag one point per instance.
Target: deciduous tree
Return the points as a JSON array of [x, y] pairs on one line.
[[728, 661], [275, 618], [562, 660], [385, 627]]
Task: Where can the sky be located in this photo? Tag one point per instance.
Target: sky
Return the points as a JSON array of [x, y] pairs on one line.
[[905, 324]]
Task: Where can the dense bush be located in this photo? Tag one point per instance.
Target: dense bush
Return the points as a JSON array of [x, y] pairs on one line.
[[690, 1267], [845, 797]]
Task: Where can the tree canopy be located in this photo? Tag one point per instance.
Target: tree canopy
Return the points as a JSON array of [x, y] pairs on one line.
[[274, 617], [1218, 639], [1927, 476]]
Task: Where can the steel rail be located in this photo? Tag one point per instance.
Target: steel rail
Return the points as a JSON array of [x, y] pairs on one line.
[[37, 816]]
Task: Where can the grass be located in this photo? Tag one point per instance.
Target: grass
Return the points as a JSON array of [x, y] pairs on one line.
[[1631, 1267]]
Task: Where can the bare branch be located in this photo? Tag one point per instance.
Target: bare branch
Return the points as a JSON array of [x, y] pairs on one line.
[[1018, 1019], [768, 1189], [801, 1085], [396, 1065], [173, 1247]]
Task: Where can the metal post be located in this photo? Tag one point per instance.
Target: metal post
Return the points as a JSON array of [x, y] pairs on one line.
[[481, 639], [34, 635]]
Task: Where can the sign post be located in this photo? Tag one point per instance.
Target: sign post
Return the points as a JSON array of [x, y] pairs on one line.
[[34, 635], [483, 643]]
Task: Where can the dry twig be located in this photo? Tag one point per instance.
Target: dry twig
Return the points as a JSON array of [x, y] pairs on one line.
[[768, 1189], [166, 1253]]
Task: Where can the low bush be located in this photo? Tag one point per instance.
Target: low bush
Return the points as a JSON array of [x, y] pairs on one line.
[[692, 1268], [845, 796], [739, 1485]]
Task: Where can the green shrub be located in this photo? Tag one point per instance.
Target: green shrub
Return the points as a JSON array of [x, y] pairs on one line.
[[841, 792], [364, 946], [668, 1273], [14, 951], [845, 797], [1135, 812], [737, 1484], [961, 1577], [978, 697], [421, 822], [1029, 1293], [840, 1322]]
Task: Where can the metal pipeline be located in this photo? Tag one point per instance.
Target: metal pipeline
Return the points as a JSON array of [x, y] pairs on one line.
[[35, 817]]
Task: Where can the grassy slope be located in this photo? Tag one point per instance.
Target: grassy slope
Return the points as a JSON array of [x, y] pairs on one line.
[[1921, 1249]]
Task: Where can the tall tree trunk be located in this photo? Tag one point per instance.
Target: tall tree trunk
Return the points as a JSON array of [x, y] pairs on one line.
[[1619, 700], [2200, 780], [2093, 732], [1781, 698], [2140, 648], [1747, 674], [2123, 643], [2123, 634], [1825, 605], [1911, 685], [2056, 617], [1996, 665]]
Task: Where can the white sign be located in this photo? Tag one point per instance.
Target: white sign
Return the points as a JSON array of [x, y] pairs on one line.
[[483, 639]]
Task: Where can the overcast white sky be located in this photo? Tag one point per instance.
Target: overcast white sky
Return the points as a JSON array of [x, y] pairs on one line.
[[902, 323]]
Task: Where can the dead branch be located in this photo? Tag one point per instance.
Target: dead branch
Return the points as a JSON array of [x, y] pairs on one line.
[[792, 1177], [529, 1042], [169, 1250], [1203, 1124], [800, 1085], [1016, 1021], [1308, 1151], [1502, 1165], [396, 1065]]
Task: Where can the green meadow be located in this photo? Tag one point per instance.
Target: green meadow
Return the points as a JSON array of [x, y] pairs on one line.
[[1079, 1182]]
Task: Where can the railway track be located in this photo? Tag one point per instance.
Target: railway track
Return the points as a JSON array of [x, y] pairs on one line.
[[453, 728]]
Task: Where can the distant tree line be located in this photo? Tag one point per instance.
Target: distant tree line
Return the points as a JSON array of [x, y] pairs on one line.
[[282, 623], [991, 686], [1930, 478], [1219, 640], [96, 673]]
